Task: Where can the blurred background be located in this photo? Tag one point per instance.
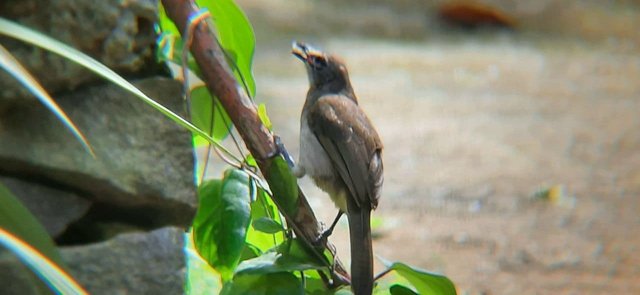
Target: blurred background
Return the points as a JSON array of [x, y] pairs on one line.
[[510, 130]]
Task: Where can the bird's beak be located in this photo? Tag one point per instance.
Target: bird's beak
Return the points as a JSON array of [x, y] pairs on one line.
[[306, 53], [300, 50]]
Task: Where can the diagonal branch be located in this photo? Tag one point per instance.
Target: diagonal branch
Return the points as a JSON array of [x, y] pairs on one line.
[[220, 80]]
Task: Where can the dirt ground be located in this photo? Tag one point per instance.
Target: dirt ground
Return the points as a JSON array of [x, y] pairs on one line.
[[473, 126]]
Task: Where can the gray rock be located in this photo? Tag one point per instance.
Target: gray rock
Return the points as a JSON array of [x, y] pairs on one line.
[[119, 34], [143, 160], [141, 263], [54, 208]]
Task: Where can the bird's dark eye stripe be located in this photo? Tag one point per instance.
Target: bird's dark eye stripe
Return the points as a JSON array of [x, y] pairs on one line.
[[319, 61]]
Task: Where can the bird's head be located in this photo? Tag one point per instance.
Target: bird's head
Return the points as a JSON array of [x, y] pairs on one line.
[[326, 72]]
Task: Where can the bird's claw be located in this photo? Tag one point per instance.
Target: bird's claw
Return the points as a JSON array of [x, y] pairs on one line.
[[321, 239], [281, 150]]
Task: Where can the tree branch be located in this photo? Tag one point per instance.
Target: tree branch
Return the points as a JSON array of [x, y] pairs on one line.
[[220, 81]]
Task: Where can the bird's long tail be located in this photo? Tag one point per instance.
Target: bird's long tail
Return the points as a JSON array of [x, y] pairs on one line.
[[361, 251]]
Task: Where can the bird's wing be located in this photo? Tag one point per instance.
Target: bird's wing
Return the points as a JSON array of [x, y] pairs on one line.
[[348, 137]]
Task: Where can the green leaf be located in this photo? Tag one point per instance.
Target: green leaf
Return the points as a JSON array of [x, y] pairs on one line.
[[201, 278], [220, 225], [274, 262], [23, 235], [236, 37], [283, 184], [425, 282], [169, 42], [401, 290], [202, 110], [170, 47], [249, 252], [251, 161], [262, 113], [267, 225], [263, 207], [15, 69], [313, 284], [287, 257], [165, 23], [269, 284]]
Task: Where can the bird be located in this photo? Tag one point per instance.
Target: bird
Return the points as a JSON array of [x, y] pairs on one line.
[[341, 151]]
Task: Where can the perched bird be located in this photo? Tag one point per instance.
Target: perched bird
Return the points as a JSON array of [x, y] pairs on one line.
[[342, 152]]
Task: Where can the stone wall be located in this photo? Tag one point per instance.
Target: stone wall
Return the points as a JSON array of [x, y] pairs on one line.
[[118, 218]]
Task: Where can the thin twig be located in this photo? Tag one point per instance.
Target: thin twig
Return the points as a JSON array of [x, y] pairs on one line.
[[382, 274]]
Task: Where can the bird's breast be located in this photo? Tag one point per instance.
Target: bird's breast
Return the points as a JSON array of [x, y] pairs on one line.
[[318, 166], [313, 157]]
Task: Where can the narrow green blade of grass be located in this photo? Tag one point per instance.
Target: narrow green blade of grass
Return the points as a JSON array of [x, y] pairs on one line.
[[17, 219], [15, 69], [30, 36], [48, 271]]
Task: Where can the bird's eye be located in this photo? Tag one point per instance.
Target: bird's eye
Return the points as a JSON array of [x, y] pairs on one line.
[[319, 61]]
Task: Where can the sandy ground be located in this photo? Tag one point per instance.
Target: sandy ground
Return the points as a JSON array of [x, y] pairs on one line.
[[473, 127]]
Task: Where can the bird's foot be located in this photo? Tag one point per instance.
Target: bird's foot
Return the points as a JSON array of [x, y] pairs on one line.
[[281, 150], [321, 239]]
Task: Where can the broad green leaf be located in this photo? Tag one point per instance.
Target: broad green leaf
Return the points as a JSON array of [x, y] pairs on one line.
[[274, 262], [313, 284], [267, 225], [249, 252], [236, 37], [202, 110], [201, 278], [425, 282], [401, 290], [170, 48], [283, 184], [169, 42], [268, 284], [165, 23], [15, 69], [30, 36], [288, 256], [222, 219], [263, 207], [16, 219]]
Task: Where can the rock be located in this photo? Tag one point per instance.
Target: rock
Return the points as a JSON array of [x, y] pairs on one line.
[[117, 33], [141, 263], [143, 160], [54, 208]]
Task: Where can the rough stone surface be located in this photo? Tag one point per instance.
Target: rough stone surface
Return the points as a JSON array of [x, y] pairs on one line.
[[54, 208], [135, 263], [140, 263], [118, 33], [143, 160]]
